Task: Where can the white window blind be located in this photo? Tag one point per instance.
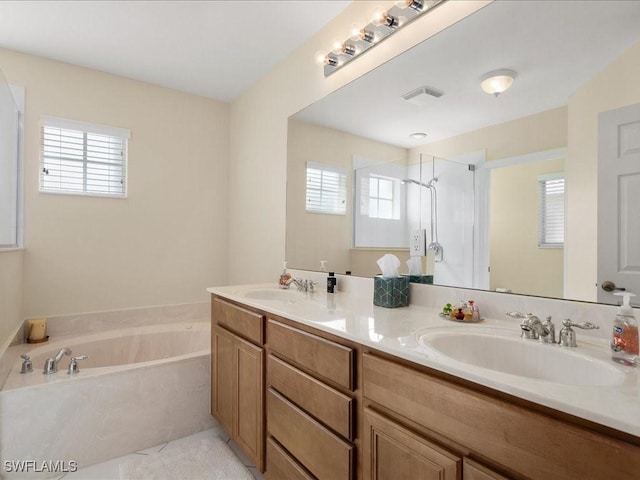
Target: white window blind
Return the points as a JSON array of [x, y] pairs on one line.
[[83, 159], [326, 189], [551, 210]]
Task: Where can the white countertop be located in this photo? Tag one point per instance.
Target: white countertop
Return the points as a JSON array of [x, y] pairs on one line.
[[395, 331]]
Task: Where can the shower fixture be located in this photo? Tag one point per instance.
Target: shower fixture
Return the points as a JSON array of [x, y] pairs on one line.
[[434, 245]]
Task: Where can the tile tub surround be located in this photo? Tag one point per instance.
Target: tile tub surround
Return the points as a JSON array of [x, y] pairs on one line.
[[69, 326], [105, 412], [351, 314]]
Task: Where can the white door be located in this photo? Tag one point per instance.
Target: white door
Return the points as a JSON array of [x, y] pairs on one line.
[[619, 201]]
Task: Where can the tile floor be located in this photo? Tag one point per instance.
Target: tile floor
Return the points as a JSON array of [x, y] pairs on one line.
[[109, 470]]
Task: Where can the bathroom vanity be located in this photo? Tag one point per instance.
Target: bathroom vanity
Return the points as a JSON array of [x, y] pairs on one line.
[[330, 387]]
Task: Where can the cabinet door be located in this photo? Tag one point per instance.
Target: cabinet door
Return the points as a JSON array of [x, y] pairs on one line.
[[391, 452], [249, 424], [223, 373], [474, 471]]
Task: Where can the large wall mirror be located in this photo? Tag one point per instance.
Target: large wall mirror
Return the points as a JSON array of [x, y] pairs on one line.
[[510, 191]]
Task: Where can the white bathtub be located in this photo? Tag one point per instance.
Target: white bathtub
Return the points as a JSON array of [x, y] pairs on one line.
[[139, 387]]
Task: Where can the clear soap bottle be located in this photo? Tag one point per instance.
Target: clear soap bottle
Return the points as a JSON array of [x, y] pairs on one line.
[[624, 341]]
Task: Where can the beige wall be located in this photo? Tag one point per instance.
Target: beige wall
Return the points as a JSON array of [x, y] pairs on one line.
[[618, 85], [312, 237], [535, 133], [259, 131], [517, 263], [11, 313], [162, 245]]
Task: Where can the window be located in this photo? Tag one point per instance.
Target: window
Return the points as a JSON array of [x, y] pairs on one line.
[[83, 159], [380, 197], [326, 189], [551, 210]]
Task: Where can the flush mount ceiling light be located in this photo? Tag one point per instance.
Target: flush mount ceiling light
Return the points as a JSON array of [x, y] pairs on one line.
[[417, 135], [383, 24], [497, 81]]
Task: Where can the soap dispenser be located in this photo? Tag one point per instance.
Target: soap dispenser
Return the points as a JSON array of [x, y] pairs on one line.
[[624, 341], [285, 277]]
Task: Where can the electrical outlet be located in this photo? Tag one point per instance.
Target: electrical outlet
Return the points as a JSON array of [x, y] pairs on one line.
[[418, 243]]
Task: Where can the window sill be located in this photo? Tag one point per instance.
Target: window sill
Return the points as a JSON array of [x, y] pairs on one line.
[[11, 249]]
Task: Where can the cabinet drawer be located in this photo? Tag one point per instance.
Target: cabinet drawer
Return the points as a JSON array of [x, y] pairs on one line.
[[324, 357], [331, 407], [245, 323], [323, 453], [513, 435], [281, 466]]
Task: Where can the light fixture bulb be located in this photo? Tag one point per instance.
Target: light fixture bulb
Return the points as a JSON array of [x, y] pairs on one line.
[[343, 47], [366, 36], [381, 17], [331, 60], [319, 57], [497, 81], [416, 5]]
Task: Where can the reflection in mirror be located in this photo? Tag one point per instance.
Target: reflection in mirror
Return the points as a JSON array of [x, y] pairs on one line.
[[574, 60]]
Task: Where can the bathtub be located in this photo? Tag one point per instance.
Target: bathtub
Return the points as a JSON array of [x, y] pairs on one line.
[[139, 387]]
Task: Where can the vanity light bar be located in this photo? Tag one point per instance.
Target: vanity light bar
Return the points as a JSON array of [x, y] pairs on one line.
[[382, 26]]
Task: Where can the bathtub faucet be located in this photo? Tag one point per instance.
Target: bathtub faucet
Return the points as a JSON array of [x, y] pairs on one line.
[[51, 364]]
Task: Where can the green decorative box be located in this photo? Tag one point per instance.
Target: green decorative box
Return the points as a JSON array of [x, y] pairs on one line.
[[421, 279], [391, 292]]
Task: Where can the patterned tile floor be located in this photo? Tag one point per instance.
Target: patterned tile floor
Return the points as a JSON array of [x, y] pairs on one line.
[[109, 470]]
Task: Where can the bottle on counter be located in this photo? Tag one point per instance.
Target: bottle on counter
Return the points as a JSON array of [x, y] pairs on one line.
[[331, 282], [624, 340]]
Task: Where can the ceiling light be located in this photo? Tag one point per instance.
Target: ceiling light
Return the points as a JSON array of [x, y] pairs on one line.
[[418, 135], [497, 81]]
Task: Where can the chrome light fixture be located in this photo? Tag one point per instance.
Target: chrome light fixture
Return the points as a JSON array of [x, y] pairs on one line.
[[497, 81], [383, 24]]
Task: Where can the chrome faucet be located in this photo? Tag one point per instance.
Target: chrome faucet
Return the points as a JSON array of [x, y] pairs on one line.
[[531, 326], [51, 364], [568, 335], [304, 285]]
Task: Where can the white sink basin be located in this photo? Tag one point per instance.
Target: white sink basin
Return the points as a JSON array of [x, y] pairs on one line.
[[274, 294], [506, 352]]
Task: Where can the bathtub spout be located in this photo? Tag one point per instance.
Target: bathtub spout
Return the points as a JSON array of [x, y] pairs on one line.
[[51, 364]]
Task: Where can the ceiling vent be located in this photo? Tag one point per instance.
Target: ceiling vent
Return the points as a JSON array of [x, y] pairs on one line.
[[421, 96]]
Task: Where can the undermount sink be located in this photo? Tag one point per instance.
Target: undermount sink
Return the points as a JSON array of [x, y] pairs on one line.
[[274, 294], [508, 353]]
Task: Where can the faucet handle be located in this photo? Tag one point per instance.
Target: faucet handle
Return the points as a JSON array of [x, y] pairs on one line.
[[26, 364], [73, 365], [567, 334], [583, 325]]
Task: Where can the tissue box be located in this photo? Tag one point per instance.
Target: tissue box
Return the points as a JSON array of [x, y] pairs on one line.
[[421, 279], [391, 292]]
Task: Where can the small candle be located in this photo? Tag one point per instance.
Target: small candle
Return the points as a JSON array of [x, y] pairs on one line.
[[37, 329]]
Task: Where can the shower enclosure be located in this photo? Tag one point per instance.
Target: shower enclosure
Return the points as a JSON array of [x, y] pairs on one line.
[[444, 190]]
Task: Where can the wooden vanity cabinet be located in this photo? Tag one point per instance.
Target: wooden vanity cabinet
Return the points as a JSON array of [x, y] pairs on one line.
[[289, 396], [512, 437], [310, 405], [237, 372]]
